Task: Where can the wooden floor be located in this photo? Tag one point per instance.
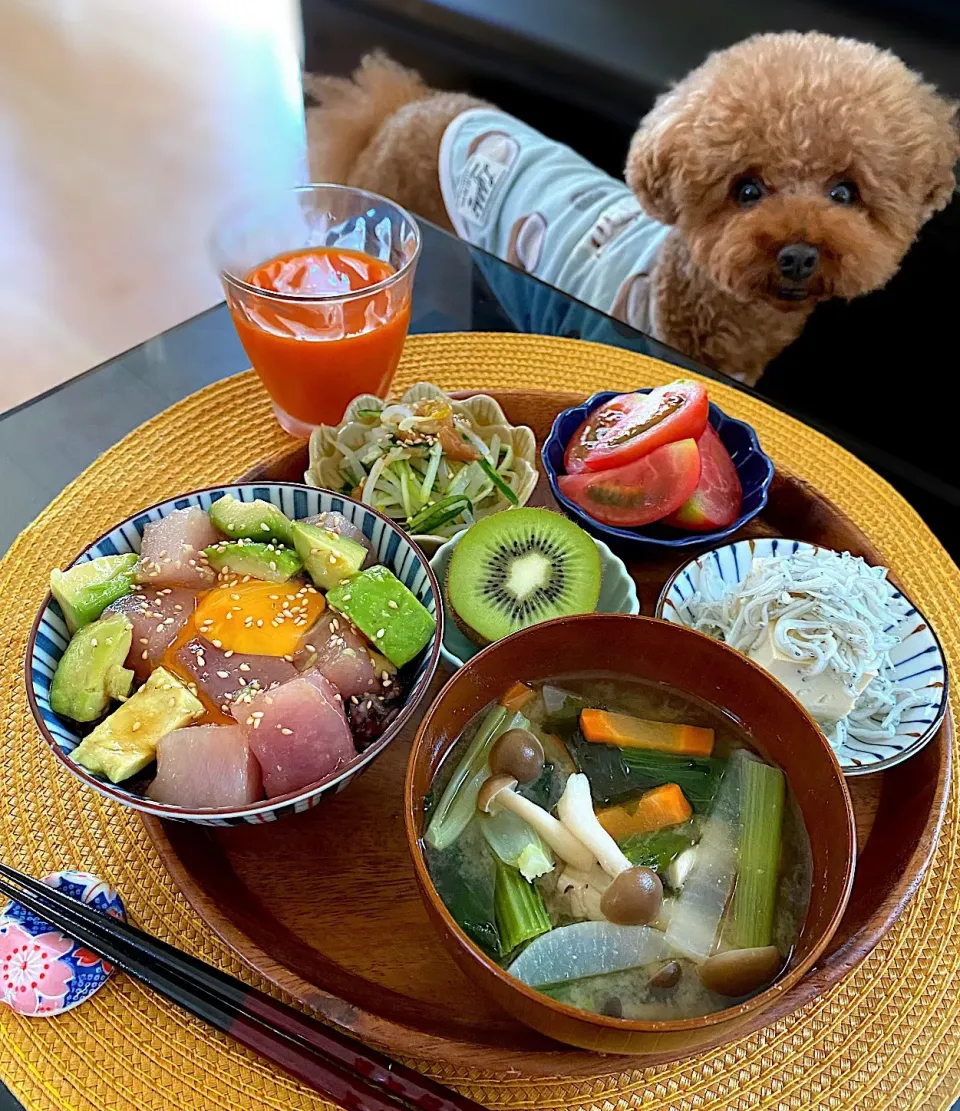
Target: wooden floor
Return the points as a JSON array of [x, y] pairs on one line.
[[126, 126]]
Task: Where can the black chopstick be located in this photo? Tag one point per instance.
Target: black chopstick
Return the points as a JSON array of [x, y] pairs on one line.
[[333, 1063]]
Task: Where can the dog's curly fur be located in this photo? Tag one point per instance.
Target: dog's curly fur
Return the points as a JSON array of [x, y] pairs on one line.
[[797, 112]]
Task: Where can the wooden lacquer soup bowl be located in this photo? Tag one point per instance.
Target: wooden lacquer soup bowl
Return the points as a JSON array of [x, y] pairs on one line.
[[644, 648]]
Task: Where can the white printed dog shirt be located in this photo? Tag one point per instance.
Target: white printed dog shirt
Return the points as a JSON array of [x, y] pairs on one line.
[[542, 207]]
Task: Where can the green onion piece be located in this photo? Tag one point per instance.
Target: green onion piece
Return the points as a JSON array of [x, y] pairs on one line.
[[458, 803], [521, 915], [441, 513], [762, 794], [657, 850], [495, 478]]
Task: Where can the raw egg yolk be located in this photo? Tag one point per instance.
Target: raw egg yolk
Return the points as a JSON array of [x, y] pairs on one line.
[[258, 618]]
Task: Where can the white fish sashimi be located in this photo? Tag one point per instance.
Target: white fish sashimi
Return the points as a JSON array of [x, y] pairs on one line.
[[586, 949]]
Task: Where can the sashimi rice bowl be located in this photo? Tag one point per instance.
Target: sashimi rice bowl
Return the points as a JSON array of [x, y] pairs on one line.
[[234, 653]]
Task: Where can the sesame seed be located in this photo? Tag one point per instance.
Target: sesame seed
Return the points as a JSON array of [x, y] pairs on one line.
[[272, 565], [346, 597], [243, 667], [333, 559], [310, 648], [354, 700], [274, 597], [245, 579], [201, 659], [256, 723], [223, 674], [392, 604], [178, 607], [387, 682], [289, 659], [93, 642], [286, 732], [217, 643], [264, 526], [380, 633], [384, 675], [136, 726], [249, 721], [259, 622], [229, 616], [258, 713], [227, 656], [144, 654], [143, 640]]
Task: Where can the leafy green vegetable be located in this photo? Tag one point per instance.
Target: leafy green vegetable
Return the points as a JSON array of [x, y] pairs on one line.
[[464, 875], [544, 790], [762, 794], [658, 849], [697, 776], [521, 914]]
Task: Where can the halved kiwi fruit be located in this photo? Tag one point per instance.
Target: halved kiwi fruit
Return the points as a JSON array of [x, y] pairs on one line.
[[520, 567]]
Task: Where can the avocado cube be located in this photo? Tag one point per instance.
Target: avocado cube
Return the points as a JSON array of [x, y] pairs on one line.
[[84, 592], [85, 679], [387, 614], [250, 520], [270, 562], [328, 557], [126, 742]]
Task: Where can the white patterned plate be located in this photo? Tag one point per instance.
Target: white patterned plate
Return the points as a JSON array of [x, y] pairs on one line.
[[917, 659]]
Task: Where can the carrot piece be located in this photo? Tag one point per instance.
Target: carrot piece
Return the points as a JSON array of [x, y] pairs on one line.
[[604, 727], [518, 696], [663, 806]]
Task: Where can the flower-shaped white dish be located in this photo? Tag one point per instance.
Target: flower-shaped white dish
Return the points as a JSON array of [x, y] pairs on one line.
[[618, 594], [918, 661], [363, 456]]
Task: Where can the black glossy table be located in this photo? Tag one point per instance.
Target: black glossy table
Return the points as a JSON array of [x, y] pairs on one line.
[[48, 441]]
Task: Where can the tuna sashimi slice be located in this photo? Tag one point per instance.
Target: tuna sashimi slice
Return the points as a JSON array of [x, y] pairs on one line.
[[157, 617], [206, 766], [223, 676], [297, 731], [340, 651], [171, 551]]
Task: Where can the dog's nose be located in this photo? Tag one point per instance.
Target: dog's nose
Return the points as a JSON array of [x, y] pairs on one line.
[[797, 261]]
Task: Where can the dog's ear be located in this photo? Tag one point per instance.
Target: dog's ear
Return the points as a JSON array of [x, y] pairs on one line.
[[655, 155], [945, 145]]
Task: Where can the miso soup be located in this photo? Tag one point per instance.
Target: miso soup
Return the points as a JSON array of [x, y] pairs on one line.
[[619, 846]]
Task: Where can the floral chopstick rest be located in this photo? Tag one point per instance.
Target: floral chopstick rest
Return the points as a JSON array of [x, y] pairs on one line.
[[42, 972]]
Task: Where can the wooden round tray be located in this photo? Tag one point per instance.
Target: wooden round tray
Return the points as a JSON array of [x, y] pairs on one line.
[[325, 906]]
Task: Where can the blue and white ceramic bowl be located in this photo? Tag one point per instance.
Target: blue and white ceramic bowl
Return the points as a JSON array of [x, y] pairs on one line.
[[391, 546], [918, 658], [754, 469], [618, 594]]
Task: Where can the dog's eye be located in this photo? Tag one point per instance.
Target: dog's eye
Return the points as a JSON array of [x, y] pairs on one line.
[[844, 192], [748, 190]]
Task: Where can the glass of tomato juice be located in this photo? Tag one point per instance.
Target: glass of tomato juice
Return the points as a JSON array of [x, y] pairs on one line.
[[319, 281]]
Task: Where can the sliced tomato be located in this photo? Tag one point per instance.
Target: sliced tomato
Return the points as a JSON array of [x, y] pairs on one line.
[[642, 491], [716, 501], [631, 425]]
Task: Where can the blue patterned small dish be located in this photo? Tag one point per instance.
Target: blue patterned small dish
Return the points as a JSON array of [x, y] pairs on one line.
[[42, 972], [918, 659], [618, 594], [391, 547], [754, 469]]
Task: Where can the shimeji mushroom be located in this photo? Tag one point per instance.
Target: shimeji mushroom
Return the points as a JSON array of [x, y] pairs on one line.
[[499, 791], [636, 894]]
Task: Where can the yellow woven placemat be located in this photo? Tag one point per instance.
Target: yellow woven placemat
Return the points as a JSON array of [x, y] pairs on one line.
[[888, 1036]]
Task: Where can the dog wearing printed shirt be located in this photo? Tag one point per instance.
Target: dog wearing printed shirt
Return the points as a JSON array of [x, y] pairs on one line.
[[785, 170]]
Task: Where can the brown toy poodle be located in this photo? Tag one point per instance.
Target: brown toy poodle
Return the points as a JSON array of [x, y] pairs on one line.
[[787, 169]]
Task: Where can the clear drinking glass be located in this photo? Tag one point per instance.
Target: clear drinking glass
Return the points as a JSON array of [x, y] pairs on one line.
[[319, 281]]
